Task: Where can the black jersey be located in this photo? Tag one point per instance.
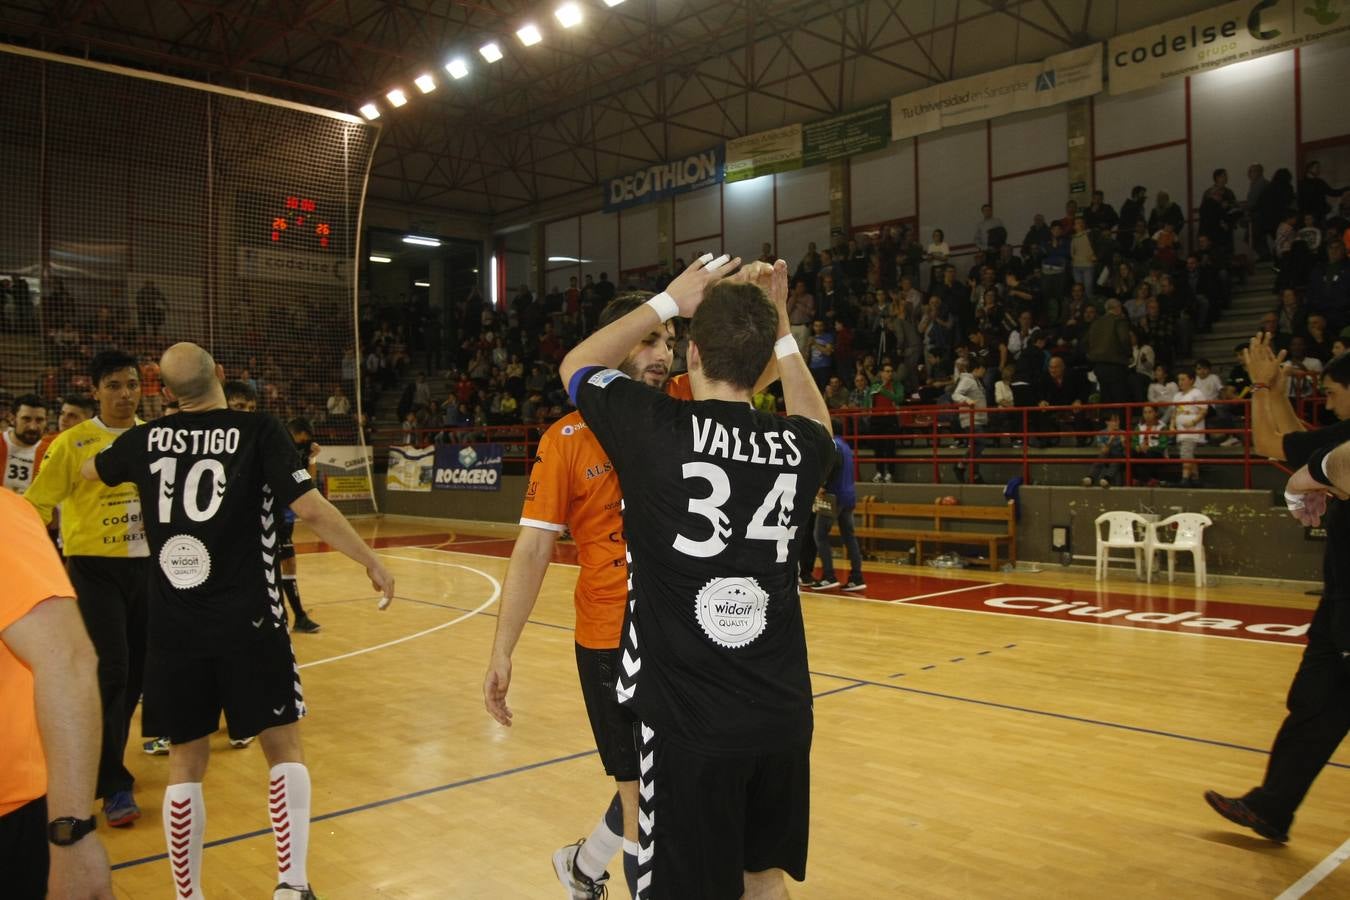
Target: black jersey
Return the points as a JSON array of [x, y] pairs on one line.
[[1298, 446], [715, 496], [215, 485]]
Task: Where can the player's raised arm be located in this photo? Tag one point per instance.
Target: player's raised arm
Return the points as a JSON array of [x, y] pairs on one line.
[[800, 394], [609, 345], [334, 529]]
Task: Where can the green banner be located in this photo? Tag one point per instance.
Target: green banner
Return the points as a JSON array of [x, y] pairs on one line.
[[858, 132], [765, 153]]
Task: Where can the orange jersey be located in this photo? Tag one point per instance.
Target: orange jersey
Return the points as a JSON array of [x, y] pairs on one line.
[[33, 574], [679, 387], [572, 485]]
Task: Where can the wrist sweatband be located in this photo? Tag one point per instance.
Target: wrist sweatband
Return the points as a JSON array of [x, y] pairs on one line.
[[786, 346], [1293, 501], [665, 306], [1317, 465]]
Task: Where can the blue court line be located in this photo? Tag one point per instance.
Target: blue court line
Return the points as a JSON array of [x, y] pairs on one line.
[[1054, 715]]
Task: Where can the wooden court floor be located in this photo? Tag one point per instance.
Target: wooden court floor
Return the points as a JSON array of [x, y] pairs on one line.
[[959, 752]]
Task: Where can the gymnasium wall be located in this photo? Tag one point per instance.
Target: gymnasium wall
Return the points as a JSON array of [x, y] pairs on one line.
[[1279, 110]]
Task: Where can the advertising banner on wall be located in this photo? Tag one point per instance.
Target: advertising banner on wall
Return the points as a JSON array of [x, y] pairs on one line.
[[345, 471], [665, 180], [779, 150], [410, 468], [858, 132], [468, 467], [1218, 37], [293, 267], [1055, 80]]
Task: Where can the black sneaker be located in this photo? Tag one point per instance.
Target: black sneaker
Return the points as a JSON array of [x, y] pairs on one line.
[[856, 586], [1236, 810], [305, 625], [825, 584]]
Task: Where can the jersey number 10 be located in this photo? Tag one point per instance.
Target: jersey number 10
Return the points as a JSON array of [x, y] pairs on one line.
[[781, 496], [166, 467]]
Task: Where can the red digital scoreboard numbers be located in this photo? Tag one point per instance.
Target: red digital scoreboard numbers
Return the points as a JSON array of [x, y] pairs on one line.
[[301, 225]]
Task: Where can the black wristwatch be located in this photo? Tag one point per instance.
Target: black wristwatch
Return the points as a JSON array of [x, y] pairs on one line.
[[67, 830]]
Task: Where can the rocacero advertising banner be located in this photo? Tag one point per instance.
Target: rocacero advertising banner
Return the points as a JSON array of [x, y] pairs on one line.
[[468, 467], [1066, 76], [665, 180], [1219, 37]]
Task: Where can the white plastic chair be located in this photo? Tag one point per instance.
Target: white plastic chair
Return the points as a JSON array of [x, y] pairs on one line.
[[1124, 530], [1189, 538]]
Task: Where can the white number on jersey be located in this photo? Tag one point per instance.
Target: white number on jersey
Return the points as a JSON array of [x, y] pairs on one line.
[[166, 467], [780, 497]]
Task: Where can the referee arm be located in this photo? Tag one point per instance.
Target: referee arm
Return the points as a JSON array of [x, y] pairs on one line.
[[520, 591], [334, 529]]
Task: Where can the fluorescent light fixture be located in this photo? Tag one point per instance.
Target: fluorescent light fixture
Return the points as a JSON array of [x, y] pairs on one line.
[[396, 97], [457, 68], [380, 259], [492, 279], [529, 34], [421, 241], [475, 271], [568, 14], [421, 284], [370, 111], [612, 3], [425, 83], [490, 51], [567, 259]]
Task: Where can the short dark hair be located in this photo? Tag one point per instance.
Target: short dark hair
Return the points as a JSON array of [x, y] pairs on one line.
[[299, 425], [235, 388], [1203, 362], [735, 328], [1218, 172], [1338, 370], [109, 361], [83, 401], [32, 400], [1185, 370], [622, 305]]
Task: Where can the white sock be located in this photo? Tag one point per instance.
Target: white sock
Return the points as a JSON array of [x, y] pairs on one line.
[[288, 807], [184, 825], [598, 850]]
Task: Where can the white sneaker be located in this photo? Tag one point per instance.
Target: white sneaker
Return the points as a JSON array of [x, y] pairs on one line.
[[825, 584], [1231, 441], [1087, 481], [876, 479], [579, 885], [855, 586], [887, 479], [291, 892]]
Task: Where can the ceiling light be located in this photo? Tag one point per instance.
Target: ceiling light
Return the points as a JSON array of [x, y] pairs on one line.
[[396, 97], [420, 241], [425, 83], [529, 35], [370, 111], [613, 2], [380, 259], [490, 51], [421, 284], [457, 68], [568, 14]]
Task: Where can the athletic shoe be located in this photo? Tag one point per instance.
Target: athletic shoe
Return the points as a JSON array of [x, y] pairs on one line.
[[291, 892], [1231, 441], [1235, 810], [1104, 482], [580, 886], [241, 743], [876, 479], [887, 478], [856, 586], [156, 747], [305, 625], [120, 809], [825, 584], [1087, 481]]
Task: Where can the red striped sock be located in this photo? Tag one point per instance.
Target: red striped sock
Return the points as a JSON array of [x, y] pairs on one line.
[[184, 825], [288, 796]]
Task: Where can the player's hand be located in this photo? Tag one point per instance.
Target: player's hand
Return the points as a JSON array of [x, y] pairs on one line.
[[757, 273], [382, 581], [690, 285], [495, 686], [1307, 509], [79, 872], [314, 450], [1262, 363]]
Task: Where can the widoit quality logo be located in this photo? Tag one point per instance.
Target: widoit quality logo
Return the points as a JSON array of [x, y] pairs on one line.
[[732, 611]]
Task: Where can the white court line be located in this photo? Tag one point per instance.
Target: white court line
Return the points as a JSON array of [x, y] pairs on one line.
[[973, 587], [1317, 873], [496, 592]]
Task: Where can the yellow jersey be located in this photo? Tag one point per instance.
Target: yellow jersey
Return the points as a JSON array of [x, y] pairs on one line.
[[96, 520]]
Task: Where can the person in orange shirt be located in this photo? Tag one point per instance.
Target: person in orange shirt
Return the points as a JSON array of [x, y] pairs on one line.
[[573, 486], [48, 701], [150, 389]]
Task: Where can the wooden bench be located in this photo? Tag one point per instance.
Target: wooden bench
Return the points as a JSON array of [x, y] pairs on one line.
[[872, 514]]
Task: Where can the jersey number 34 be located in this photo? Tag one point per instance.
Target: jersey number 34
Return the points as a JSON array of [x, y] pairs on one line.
[[780, 498]]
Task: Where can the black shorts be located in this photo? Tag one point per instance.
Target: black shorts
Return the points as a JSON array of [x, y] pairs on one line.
[[285, 538], [611, 723], [714, 818], [253, 680]]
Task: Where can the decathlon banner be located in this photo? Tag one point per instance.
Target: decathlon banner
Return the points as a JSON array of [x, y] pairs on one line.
[[754, 155], [410, 468], [665, 180], [1065, 76], [1218, 37], [344, 471], [468, 467]]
